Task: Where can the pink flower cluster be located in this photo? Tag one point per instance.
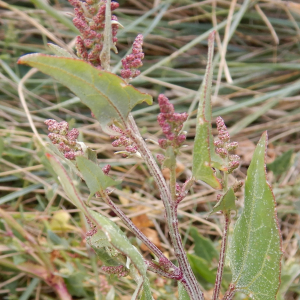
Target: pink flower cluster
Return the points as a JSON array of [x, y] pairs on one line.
[[171, 124], [133, 61], [90, 21], [120, 271], [66, 140], [224, 146], [122, 140]]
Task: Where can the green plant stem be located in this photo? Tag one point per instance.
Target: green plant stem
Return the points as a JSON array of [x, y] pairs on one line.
[[173, 182], [221, 257], [132, 227], [188, 280]]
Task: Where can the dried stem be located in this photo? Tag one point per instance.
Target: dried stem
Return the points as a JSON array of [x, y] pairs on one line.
[[188, 280], [221, 258]]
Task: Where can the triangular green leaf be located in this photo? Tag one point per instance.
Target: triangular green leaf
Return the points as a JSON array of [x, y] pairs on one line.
[[108, 96], [226, 203], [255, 248], [203, 144]]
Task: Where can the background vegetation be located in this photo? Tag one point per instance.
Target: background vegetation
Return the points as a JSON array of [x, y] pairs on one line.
[[256, 88]]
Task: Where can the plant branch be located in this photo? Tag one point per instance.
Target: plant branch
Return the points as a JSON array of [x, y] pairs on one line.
[[132, 227], [222, 257], [157, 270], [230, 292], [173, 181], [189, 280]]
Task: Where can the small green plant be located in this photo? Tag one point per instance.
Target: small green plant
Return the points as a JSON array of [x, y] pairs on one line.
[[254, 250]]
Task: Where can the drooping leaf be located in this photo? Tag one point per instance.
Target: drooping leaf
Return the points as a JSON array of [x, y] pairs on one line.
[[118, 240], [115, 236], [203, 144], [226, 203], [282, 163], [255, 248], [204, 247], [93, 175], [108, 96], [67, 183]]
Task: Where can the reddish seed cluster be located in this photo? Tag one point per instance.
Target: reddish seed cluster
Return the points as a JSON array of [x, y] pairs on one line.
[[224, 146], [66, 140], [90, 21], [120, 271], [171, 124], [106, 169], [133, 61], [123, 140]]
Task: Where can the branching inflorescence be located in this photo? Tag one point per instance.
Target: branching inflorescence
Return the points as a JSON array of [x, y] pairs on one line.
[[171, 124], [90, 21]]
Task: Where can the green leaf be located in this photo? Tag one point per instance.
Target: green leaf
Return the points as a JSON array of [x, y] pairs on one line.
[[182, 293], [203, 146], [93, 175], [115, 236], [204, 247], [226, 203], [255, 248], [58, 51], [119, 241], [53, 150], [67, 183], [201, 269], [282, 163], [74, 283], [108, 96], [170, 159]]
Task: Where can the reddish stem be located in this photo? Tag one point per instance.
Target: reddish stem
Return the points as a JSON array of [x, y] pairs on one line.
[[189, 280], [222, 257]]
